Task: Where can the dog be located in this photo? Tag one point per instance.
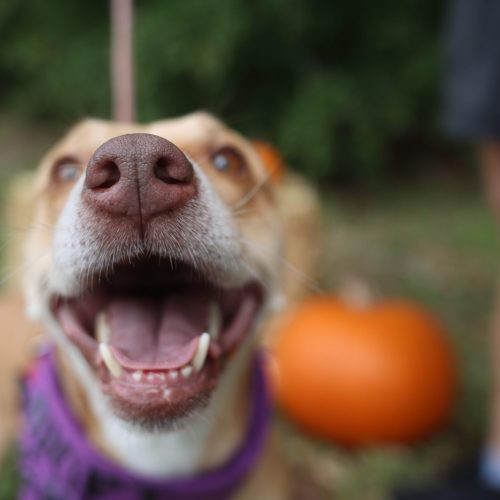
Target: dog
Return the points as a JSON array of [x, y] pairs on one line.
[[154, 258]]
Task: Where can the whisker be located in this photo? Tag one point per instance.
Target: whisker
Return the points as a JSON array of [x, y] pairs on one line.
[[24, 266], [310, 282], [24, 229], [250, 194], [245, 211]]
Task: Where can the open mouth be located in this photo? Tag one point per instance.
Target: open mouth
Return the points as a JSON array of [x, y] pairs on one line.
[[157, 333]]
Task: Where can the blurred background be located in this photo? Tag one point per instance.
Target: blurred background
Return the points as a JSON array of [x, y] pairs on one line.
[[350, 95]]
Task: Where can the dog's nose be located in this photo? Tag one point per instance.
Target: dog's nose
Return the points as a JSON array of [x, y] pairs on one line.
[[139, 174]]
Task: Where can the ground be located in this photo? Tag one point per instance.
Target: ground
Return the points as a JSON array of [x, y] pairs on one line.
[[430, 241], [436, 245]]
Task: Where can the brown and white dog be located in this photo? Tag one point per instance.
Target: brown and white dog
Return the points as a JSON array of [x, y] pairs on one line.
[[154, 256]]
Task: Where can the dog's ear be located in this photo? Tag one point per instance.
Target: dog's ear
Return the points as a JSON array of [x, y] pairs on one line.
[[18, 208], [299, 209], [272, 160], [298, 205]]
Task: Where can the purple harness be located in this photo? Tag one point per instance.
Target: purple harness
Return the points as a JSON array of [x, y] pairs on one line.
[[58, 463]]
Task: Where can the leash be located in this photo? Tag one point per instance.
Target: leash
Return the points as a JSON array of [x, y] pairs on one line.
[[122, 60]]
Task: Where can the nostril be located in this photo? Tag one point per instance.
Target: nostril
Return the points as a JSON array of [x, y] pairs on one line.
[[106, 175], [111, 174], [172, 172], [161, 171]]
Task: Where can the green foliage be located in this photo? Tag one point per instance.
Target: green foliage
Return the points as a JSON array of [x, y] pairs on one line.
[[333, 83]]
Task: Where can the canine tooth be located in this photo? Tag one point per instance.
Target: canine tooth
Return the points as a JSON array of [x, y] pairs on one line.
[[137, 375], [173, 374], [201, 353], [214, 320], [186, 371], [103, 331], [166, 393], [109, 360]]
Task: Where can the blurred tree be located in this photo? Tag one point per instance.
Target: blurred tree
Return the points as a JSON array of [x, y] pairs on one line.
[[333, 83]]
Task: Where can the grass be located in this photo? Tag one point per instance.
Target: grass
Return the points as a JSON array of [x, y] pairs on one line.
[[431, 243]]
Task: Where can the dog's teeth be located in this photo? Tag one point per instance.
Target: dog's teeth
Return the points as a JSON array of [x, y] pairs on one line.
[[201, 353], [151, 377], [103, 331], [214, 320], [162, 377], [186, 371], [109, 360], [166, 393], [173, 374], [137, 376]]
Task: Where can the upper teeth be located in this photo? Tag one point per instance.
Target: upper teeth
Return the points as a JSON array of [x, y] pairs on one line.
[[109, 360], [103, 331], [201, 353]]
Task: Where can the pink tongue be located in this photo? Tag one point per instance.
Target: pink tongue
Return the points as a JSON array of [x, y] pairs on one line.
[[157, 333]]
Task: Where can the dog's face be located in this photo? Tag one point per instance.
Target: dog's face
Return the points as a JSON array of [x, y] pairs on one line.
[[153, 252]]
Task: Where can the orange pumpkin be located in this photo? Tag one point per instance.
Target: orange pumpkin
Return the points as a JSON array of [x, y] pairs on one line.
[[271, 158], [361, 375]]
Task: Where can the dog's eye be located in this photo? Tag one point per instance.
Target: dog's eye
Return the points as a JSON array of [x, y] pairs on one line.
[[66, 170], [228, 159]]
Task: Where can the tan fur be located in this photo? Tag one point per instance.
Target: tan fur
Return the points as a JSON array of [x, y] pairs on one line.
[[17, 340], [298, 209], [298, 205], [17, 217]]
